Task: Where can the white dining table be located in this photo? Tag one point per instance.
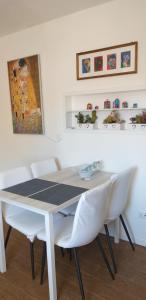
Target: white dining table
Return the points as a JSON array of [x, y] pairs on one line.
[[68, 176]]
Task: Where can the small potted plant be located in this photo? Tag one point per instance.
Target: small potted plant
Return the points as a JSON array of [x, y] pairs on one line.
[[138, 122], [85, 121], [113, 121]]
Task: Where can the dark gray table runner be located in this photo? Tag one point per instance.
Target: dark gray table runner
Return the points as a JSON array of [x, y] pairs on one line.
[[30, 187], [59, 194], [46, 191]]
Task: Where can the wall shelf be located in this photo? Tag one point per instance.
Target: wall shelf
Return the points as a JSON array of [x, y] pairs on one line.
[[107, 109], [77, 102]]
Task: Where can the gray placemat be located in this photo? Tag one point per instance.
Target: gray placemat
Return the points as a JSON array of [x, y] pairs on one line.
[[59, 194], [29, 187]]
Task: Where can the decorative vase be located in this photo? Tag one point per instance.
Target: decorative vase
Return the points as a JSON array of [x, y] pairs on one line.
[[113, 126], [85, 126], [132, 126]]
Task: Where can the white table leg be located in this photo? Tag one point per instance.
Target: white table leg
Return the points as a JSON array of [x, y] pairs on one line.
[[50, 256], [117, 231], [2, 247]]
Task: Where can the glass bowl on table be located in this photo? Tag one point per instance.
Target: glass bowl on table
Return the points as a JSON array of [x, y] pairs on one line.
[[86, 171]]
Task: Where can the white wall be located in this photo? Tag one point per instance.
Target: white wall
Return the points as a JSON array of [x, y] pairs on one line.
[[57, 42]]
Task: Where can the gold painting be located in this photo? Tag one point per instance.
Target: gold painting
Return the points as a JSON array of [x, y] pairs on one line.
[[25, 95]]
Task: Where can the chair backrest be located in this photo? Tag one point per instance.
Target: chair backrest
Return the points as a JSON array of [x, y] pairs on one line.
[[43, 167], [119, 193], [90, 215], [10, 178]]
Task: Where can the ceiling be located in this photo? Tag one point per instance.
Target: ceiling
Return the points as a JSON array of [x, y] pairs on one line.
[[16, 15]]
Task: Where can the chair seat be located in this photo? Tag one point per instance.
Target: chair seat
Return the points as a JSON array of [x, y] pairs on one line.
[[70, 210], [27, 222], [107, 221], [62, 231]]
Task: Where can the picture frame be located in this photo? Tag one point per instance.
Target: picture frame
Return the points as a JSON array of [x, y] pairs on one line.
[[110, 61], [25, 95]]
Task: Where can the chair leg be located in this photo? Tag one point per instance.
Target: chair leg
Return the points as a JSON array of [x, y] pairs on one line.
[[110, 248], [70, 254], [127, 233], [69, 251], [43, 262], [32, 259], [62, 251], [78, 273], [104, 257], [7, 236]]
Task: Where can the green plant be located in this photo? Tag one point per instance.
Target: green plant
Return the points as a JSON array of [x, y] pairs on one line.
[[113, 118], [94, 117], [80, 118], [84, 119], [139, 119]]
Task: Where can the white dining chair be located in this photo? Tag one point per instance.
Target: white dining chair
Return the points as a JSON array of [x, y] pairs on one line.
[[43, 167], [118, 202], [26, 222], [73, 232]]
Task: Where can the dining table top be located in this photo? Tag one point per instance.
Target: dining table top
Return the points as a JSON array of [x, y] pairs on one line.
[[52, 192]]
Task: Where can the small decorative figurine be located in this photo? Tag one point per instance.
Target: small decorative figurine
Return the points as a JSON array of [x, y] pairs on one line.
[[125, 104], [107, 104], [89, 106], [96, 107], [116, 103], [135, 105]]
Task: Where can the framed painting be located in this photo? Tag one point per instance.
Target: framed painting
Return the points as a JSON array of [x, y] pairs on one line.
[[110, 61], [25, 93]]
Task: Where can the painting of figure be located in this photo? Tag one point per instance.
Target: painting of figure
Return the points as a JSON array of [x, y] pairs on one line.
[[86, 65], [25, 95], [126, 59], [111, 61], [98, 63]]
